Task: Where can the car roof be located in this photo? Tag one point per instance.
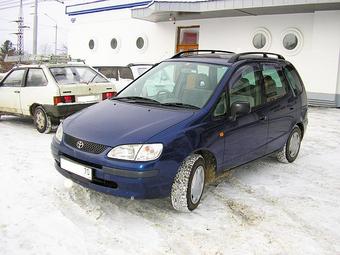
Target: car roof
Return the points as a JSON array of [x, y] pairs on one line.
[[225, 57]]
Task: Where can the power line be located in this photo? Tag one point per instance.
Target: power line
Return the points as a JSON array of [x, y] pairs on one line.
[[9, 4]]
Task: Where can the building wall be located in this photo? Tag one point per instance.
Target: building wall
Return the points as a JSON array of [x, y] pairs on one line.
[[317, 61]]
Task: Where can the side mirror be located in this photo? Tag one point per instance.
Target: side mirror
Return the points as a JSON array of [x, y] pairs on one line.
[[238, 109]]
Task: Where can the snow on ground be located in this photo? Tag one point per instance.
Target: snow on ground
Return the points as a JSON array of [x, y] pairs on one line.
[[264, 207]]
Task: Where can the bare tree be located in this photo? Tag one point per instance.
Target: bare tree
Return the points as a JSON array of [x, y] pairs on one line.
[[7, 48]]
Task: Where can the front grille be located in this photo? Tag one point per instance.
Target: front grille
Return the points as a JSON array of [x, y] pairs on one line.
[[84, 145]]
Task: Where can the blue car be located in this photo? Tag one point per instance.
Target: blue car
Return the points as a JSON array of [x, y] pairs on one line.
[[184, 122]]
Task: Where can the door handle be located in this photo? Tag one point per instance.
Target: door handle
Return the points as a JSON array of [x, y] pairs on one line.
[[264, 117], [17, 91]]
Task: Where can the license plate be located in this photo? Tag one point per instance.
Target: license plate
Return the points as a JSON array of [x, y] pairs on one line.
[[85, 99], [76, 168]]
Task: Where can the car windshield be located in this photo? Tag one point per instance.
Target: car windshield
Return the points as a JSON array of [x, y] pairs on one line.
[[178, 84], [76, 74]]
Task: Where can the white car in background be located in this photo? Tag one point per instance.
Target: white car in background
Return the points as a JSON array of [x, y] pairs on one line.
[[122, 76], [50, 92]]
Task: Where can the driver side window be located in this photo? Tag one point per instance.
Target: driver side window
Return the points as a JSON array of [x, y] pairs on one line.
[[14, 79], [246, 86]]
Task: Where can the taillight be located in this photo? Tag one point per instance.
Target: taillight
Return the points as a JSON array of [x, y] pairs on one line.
[[69, 99], [57, 100], [108, 95], [64, 99]]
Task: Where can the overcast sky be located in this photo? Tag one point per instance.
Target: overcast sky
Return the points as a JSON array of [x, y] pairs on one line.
[[46, 31]]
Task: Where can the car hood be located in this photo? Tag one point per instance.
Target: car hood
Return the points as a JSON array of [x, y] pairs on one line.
[[112, 122]]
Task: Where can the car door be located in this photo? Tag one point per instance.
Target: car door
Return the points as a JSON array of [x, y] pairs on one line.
[[246, 137], [281, 105], [35, 90], [10, 89]]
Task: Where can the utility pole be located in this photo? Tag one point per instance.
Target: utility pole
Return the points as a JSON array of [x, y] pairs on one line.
[[56, 33], [21, 31], [56, 39], [35, 28]]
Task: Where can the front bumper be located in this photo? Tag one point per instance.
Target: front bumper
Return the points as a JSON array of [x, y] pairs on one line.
[[150, 182], [64, 110]]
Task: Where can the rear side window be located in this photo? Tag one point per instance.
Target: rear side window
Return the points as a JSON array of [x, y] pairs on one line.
[[109, 72], [274, 85], [14, 79], [36, 78], [293, 79], [125, 73]]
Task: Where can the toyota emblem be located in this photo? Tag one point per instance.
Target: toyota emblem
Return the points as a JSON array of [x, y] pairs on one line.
[[80, 144]]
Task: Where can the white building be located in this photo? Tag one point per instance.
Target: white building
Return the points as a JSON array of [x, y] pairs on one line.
[[307, 33]]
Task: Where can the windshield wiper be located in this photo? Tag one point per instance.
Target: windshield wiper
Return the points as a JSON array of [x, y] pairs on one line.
[[136, 99], [182, 105]]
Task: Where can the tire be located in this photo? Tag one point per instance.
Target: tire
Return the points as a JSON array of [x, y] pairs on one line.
[[42, 121], [290, 151], [188, 185]]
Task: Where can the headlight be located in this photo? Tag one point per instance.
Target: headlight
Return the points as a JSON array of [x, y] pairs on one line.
[[137, 152], [59, 133]]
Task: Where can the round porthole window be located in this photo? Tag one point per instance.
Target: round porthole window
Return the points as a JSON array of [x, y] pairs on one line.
[[91, 44], [292, 41], [114, 44], [140, 42], [261, 39]]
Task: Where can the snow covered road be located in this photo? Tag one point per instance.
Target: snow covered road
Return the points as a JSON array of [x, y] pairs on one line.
[[264, 207]]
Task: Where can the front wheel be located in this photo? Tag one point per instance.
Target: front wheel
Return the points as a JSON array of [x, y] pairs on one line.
[[42, 121], [188, 185], [292, 147]]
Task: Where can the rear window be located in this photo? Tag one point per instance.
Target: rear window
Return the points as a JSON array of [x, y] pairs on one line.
[[76, 74]]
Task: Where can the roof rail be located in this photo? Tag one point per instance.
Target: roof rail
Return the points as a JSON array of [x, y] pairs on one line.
[[178, 55], [236, 57]]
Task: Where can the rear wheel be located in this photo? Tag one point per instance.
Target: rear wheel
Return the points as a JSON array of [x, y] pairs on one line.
[[292, 147], [42, 121], [188, 185]]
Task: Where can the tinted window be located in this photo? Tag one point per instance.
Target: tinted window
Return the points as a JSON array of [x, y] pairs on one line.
[[274, 85], [109, 72], [125, 73], [246, 87], [293, 79], [14, 79], [36, 78]]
